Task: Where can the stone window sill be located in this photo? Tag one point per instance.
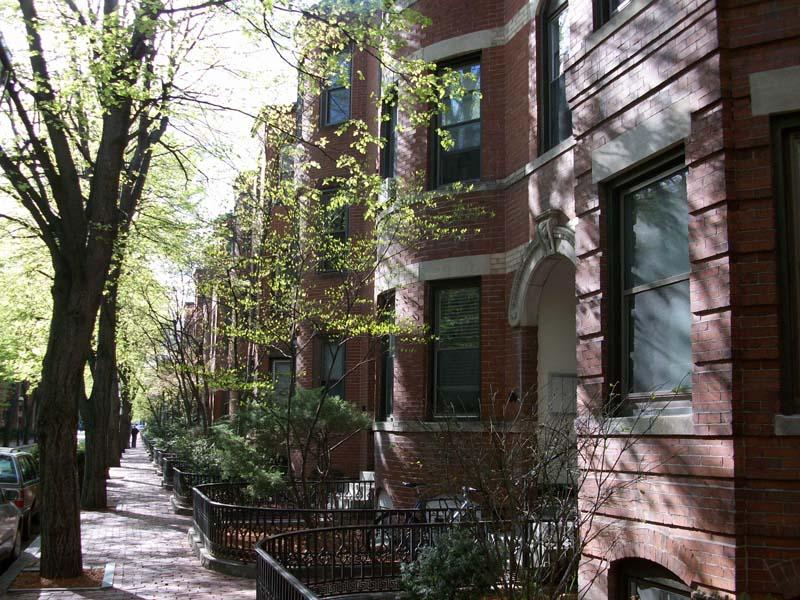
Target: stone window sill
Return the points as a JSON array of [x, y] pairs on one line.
[[787, 424], [653, 425]]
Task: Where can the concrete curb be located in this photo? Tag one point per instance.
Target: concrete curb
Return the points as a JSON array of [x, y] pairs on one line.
[[179, 508], [220, 565], [29, 556]]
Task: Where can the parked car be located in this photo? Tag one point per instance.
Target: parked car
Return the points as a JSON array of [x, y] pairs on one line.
[[10, 529], [19, 481]]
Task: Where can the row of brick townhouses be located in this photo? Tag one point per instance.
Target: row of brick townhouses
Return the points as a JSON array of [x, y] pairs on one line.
[[640, 165]]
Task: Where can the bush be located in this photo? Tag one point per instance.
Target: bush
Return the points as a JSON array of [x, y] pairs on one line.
[[252, 447], [456, 568]]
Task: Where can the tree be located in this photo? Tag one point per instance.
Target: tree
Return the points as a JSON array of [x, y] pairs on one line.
[[285, 231], [540, 484], [158, 231], [24, 307], [80, 122], [81, 119]]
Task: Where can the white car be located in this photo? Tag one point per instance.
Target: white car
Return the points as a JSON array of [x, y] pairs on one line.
[[10, 529]]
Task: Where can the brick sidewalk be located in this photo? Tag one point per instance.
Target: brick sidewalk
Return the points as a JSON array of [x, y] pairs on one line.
[[147, 542]]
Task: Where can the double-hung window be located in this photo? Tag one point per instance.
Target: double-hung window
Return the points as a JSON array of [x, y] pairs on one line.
[[389, 135], [786, 148], [656, 315], [333, 367], [460, 158], [388, 344], [335, 97], [335, 232], [556, 122], [281, 376], [605, 9], [286, 163], [457, 349]]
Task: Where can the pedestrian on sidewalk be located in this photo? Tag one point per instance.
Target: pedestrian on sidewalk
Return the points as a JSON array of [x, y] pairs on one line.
[[134, 433]]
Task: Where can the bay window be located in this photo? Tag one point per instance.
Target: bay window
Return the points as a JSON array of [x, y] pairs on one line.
[[656, 316], [335, 97], [460, 158]]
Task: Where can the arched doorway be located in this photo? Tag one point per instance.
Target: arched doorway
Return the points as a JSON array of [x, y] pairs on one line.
[[543, 307]]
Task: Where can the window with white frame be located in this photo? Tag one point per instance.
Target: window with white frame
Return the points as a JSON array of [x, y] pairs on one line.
[[335, 231], [281, 376], [388, 343]]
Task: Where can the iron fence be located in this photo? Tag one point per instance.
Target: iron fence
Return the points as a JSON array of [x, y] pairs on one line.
[[161, 458], [168, 466], [358, 559], [183, 481], [338, 561], [274, 582], [230, 529]]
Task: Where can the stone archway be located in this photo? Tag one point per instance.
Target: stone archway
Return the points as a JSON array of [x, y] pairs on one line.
[[554, 241]]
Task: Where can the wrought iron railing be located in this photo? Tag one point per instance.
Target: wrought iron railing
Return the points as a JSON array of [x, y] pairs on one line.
[[335, 493], [183, 481], [161, 458], [168, 466], [338, 561], [230, 529], [274, 582], [148, 446]]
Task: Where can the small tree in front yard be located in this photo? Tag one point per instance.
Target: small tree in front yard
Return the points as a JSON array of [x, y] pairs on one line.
[[295, 278], [541, 482]]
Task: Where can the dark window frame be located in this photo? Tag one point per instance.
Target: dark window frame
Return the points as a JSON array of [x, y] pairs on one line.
[[341, 348], [619, 347], [388, 345], [548, 116], [635, 571], [605, 10], [388, 154], [435, 147], [274, 362], [343, 234], [324, 96], [434, 288], [286, 163], [784, 128]]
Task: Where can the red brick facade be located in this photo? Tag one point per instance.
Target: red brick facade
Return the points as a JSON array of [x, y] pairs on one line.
[[720, 508]]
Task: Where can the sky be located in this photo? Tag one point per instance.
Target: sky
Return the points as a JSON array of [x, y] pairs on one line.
[[246, 73], [231, 67]]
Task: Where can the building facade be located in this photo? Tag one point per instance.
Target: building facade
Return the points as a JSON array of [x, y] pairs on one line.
[[639, 164]]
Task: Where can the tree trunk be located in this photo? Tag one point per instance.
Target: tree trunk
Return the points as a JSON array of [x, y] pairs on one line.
[[57, 398], [8, 416], [124, 384], [27, 413], [114, 447], [98, 410], [125, 423]]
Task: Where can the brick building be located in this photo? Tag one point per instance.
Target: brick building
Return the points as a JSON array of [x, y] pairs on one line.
[[640, 161]]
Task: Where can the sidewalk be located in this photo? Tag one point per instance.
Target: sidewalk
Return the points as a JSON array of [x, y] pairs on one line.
[[147, 543]]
